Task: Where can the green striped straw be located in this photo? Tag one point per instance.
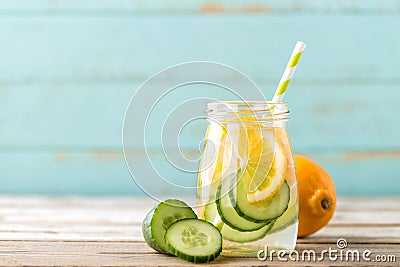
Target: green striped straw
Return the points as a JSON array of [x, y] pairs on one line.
[[289, 71]]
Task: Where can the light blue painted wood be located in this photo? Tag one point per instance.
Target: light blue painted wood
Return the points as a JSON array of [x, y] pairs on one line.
[[63, 172], [74, 49], [362, 173], [69, 68], [60, 172], [124, 6], [337, 117]]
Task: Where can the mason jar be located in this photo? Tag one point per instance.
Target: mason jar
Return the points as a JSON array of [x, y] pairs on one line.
[[247, 184]]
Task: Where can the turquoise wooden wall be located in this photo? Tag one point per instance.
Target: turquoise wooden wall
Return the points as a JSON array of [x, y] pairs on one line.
[[69, 68]]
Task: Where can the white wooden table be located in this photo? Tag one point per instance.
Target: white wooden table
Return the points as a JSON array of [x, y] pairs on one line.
[[106, 231]]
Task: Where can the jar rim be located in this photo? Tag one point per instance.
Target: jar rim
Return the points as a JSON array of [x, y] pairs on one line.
[[262, 110], [246, 105], [253, 102]]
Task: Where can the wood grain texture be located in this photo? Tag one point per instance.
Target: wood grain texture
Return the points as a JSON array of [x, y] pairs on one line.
[[114, 48], [95, 172], [69, 68], [203, 6], [324, 117], [136, 254], [98, 231]]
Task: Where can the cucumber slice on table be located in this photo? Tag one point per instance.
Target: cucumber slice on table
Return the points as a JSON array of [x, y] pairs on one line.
[[194, 240], [262, 211], [233, 235], [160, 218], [288, 218], [230, 217]]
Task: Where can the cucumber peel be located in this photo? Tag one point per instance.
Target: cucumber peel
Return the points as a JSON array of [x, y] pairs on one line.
[[160, 218], [234, 235], [230, 217], [194, 240], [262, 211], [288, 218]]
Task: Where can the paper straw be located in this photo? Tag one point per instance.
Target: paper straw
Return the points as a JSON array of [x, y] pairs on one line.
[[289, 71]]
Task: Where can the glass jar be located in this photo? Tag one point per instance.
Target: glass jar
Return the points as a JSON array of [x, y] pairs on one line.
[[247, 184]]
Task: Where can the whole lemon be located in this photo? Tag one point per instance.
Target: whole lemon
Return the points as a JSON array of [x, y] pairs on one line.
[[317, 196]]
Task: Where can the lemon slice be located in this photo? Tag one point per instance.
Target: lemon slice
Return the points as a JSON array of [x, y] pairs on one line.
[[265, 168], [212, 158], [263, 188]]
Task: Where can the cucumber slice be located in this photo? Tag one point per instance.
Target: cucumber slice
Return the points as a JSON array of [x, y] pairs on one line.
[[160, 218], [230, 217], [288, 218], [262, 211], [210, 212], [194, 240], [146, 230], [211, 215], [233, 235]]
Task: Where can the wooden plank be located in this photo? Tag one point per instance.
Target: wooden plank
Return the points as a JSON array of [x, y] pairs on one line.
[[117, 259], [96, 221], [108, 219], [79, 248], [356, 204], [315, 239], [367, 217], [74, 174], [120, 244], [81, 216], [256, 6], [48, 122], [135, 233], [72, 48], [29, 202], [85, 173], [18, 202], [356, 175], [43, 93], [346, 231], [89, 237], [73, 215], [61, 247]]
